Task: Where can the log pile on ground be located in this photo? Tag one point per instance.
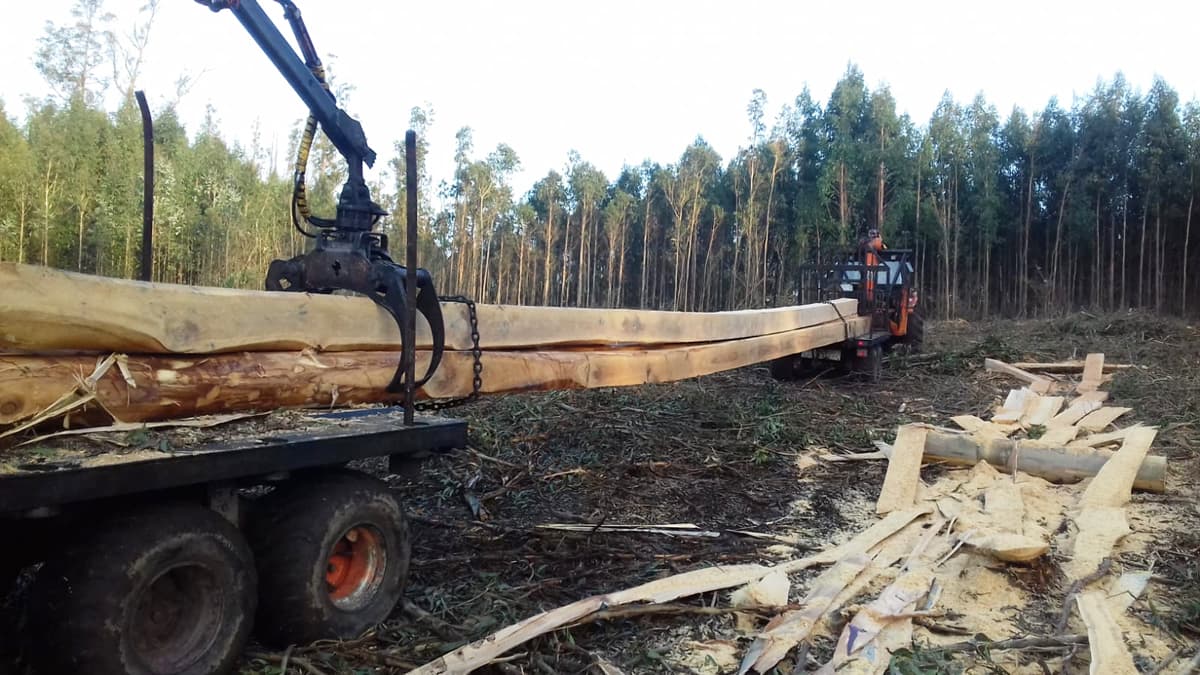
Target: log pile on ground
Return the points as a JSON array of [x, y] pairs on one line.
[[85, 350], [942, 559]]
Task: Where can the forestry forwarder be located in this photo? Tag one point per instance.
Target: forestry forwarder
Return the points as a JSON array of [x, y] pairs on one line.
[[882, 280], [162, 566]]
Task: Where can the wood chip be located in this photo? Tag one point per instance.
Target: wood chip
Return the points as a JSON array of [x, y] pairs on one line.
[[191, 422], [1003, 506], [1016, 404], [1059, 436], [981, 427], [1036, 382], [1093, 369], [1100, 419], [1097, 440], [1041, 412], [1099, 528], [1010, 546], [862, 542], [1078, 409], [898, 598], [1110, 656], [904, 471], [670, 530], [769, 591], [1126, 589], [785, 631], [1113, 484], [477, 654]]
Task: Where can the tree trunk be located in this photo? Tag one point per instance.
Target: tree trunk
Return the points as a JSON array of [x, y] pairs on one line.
[[1124, 257], [646, 224], [582, 280], [564, 297], [521, 245], [1112, 261], [610, 274], [708, 267], [1187, 237], [1142, 256], [621, 266], [843, 200], [1097, 269], [500, 275], [1024, 296], [957, 225], [21, 234], [1159, 255], [548, 268], [946, 309], [46, 218], [1058, 233], [766, 265]]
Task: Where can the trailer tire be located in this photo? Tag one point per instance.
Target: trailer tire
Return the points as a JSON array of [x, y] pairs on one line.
[[332, 552], [165, 590]]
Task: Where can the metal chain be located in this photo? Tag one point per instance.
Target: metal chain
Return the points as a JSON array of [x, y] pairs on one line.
[[477, 366]]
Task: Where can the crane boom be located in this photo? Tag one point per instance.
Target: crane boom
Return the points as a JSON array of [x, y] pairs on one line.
[[348, 254]]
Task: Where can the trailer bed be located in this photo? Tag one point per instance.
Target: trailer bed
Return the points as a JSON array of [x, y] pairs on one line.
[[97, 465]]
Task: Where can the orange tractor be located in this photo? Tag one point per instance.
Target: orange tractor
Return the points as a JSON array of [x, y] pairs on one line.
[[883, 280]]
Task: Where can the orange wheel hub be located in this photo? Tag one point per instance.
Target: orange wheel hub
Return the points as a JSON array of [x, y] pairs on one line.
[[355, 566]]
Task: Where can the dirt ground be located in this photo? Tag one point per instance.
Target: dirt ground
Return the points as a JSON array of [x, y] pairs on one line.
[[740, 452], [734, 452]]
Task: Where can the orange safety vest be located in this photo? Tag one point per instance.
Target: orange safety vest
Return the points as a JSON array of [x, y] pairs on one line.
[[871, 259]]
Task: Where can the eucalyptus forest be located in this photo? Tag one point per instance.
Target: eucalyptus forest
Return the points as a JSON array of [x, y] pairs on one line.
[[1010, 213]]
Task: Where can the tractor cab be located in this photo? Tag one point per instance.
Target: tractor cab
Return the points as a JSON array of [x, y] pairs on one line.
[[883, 281]]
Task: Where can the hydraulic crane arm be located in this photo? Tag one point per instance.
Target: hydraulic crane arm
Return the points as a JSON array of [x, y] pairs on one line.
[[344, 131], [348, 254], [356, 211]]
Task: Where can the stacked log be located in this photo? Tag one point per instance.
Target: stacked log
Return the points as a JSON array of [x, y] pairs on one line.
[[187, 350]]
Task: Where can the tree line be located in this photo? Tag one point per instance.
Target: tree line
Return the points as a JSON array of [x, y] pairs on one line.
[[1022, 214]]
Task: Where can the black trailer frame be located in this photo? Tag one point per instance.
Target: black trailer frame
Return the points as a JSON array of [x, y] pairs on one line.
[[41, 489]]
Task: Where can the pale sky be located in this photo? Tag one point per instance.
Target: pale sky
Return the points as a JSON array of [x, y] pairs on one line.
[[621, 81]]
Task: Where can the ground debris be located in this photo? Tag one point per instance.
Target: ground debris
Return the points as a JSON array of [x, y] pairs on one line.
[[732, 442]]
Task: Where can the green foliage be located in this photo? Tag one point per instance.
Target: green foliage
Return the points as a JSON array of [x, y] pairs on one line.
[[922, 662], [1033, 213]]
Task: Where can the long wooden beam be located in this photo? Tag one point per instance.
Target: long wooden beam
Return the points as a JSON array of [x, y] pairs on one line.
[[168, 387], [44, 309]]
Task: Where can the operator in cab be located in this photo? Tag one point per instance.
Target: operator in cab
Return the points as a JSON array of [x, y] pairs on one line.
[[870, 247]]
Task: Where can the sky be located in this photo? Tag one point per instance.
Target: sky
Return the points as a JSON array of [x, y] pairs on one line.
[[621, 81]]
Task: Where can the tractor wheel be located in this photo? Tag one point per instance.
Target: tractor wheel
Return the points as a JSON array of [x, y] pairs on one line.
[[791, 368], [332, 552], [869, 366], [783, 369], [168, 590]]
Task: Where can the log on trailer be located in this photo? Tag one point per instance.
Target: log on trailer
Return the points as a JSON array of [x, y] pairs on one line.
[[44, 309], [166, 387]]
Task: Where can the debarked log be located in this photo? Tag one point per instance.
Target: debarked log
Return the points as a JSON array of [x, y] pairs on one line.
[[1055, 464], [44, 309], [171, 387]]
